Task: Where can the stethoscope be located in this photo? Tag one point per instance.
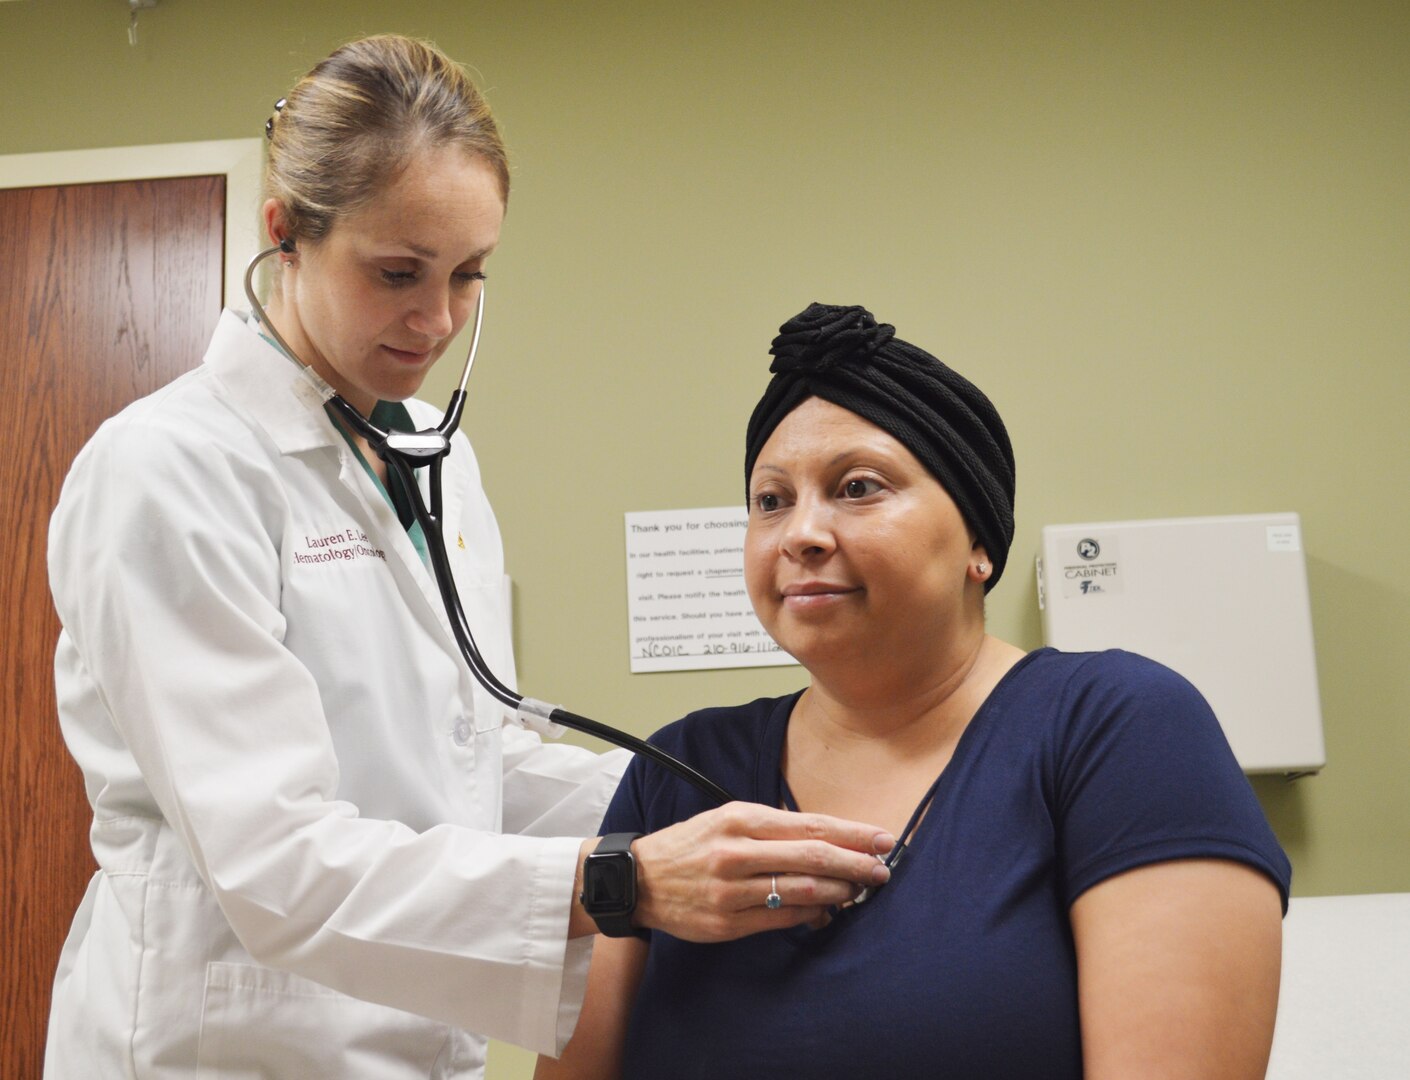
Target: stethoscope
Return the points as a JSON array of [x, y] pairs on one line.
[[406, 451]]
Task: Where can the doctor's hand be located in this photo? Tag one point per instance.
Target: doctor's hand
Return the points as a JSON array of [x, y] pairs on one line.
[[709, 878]]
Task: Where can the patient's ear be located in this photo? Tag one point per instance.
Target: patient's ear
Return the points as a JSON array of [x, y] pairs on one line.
[[981, 567]]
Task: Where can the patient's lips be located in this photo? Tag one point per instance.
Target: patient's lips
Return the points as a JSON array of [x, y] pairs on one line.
[[815, 595]]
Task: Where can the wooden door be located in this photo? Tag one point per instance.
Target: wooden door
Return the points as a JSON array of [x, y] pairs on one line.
[[107, 291]]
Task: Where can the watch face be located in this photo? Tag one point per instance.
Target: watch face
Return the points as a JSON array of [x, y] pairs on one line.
[[609, 884]]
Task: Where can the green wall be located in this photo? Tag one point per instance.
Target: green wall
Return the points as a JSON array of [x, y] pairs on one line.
[[1170, 241]]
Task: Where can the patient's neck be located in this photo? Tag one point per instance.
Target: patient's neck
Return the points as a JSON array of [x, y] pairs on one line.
[[873, 699], [869, 749]]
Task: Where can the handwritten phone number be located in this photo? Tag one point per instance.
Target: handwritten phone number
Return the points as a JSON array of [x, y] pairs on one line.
[[656, 650]]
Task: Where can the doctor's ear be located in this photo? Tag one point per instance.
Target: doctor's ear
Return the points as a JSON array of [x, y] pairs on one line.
[[288, 253], [276, 226]]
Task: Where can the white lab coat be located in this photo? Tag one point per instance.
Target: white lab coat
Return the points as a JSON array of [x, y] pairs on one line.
[[302, 803]]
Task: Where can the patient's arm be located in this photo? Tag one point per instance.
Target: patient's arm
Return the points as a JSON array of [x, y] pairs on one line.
[[1177, 972], [595, 1050]]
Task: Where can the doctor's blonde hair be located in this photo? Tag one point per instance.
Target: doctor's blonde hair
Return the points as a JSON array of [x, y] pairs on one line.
[[353, 123]]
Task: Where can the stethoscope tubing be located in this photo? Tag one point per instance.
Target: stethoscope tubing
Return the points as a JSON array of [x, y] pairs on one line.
[[404, 452]]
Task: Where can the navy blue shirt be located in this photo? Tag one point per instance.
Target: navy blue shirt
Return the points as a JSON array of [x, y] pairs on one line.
[[1077, 767]]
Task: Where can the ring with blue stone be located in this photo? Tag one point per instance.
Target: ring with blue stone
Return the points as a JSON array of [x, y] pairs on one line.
[[773, 901]]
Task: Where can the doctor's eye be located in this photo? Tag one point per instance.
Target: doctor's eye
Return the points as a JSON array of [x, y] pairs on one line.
[[466, 278], [398, 277]]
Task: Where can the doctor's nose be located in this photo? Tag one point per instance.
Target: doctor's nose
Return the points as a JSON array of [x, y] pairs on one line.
[[433, 316]]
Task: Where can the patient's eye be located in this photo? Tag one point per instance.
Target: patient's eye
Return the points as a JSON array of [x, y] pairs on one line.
[[859, 488]]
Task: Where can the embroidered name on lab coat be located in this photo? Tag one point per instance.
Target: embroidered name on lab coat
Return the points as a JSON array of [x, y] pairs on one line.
[[343, 546]]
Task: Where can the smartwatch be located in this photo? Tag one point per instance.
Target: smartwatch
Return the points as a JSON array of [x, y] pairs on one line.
[[609, 885]]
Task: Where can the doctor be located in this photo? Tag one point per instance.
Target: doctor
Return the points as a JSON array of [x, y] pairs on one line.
[[324, 850]]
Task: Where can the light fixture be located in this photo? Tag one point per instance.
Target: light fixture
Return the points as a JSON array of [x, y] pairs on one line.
[[134, 6]]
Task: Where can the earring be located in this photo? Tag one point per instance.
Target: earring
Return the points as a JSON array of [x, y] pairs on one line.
[[983, 568]]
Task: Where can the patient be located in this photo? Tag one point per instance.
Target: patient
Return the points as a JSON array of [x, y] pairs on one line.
[[1085, 886]]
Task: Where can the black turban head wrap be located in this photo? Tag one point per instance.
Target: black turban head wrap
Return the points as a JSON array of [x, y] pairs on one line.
[[842, 355]]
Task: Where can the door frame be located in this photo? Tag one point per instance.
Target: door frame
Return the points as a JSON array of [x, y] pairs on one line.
[[62, 816], [238, 160]]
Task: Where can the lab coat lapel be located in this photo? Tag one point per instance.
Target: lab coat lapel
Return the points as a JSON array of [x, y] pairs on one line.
[[271, 390], [450, 514], [415, 579]]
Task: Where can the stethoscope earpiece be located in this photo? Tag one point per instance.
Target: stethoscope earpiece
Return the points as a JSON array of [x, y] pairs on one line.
[[287, 245]]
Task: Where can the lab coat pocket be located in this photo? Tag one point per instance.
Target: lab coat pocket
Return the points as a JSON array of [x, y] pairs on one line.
[[261, 1023]]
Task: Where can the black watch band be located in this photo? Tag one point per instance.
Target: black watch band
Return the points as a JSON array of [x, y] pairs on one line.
[[609, 884]]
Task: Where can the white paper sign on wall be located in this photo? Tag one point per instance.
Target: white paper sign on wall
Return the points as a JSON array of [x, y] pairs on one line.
[[687, 608]]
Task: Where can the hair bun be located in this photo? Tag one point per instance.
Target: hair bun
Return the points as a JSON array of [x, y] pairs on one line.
[[828, 335]]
